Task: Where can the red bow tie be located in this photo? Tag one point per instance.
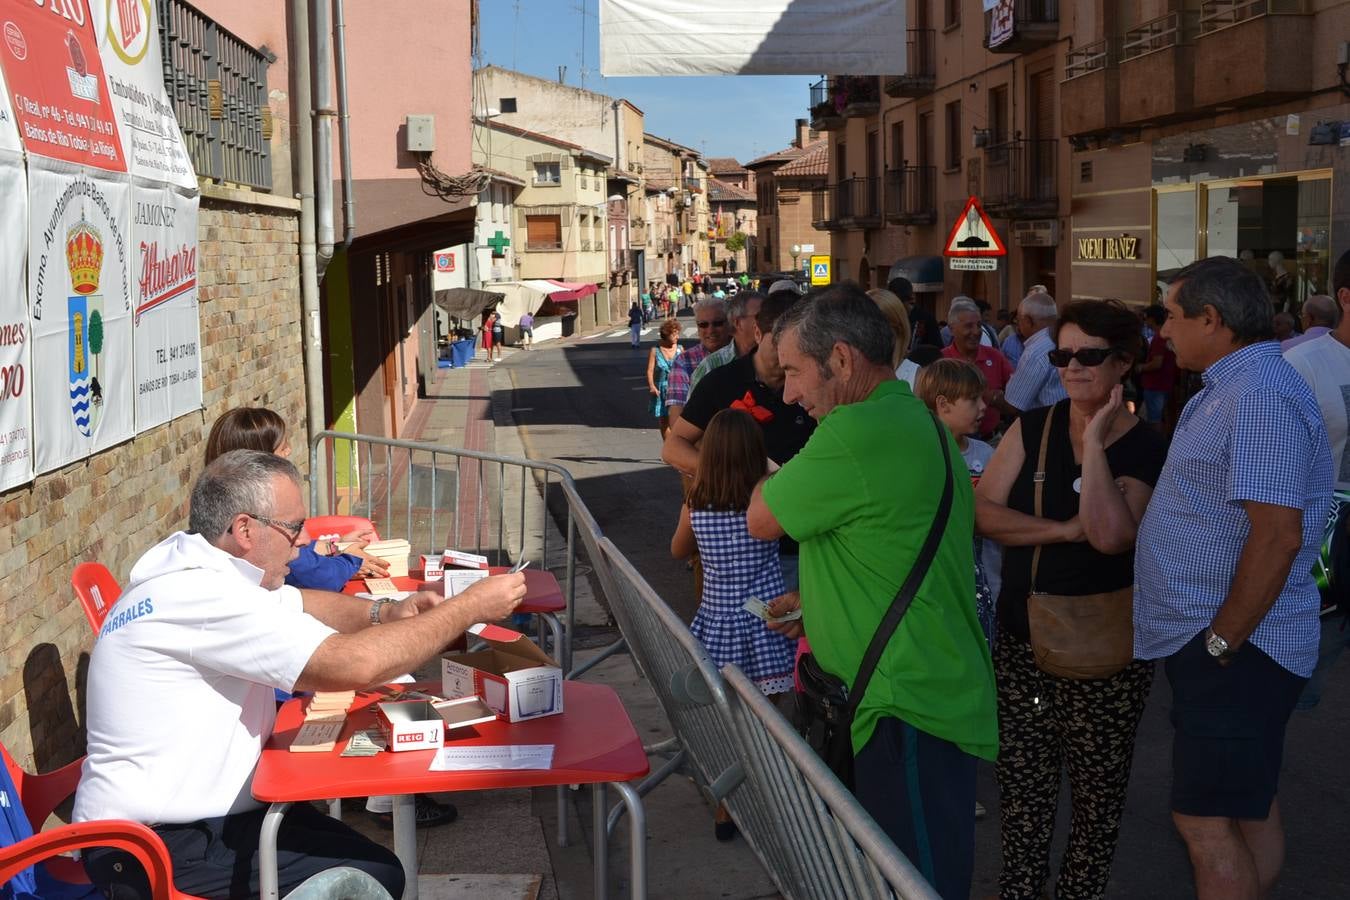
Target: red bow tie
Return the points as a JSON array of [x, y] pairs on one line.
[[747, 403]]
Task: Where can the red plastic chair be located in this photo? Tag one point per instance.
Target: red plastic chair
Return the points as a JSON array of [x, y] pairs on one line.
[[39, 795], [321, 527], [97, 590]]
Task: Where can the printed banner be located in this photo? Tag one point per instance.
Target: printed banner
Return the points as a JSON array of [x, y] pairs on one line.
[[9, 129], [16, 408], [79, 298], [168, 364], [55, 74], [129, 43]]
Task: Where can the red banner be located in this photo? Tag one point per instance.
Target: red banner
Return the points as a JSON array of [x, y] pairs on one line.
[[61, 100]]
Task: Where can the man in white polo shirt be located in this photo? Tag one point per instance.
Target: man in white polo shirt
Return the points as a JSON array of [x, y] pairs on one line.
[[182, 678]]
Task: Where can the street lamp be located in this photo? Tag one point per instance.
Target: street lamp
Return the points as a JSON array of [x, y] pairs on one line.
[[796, 251]]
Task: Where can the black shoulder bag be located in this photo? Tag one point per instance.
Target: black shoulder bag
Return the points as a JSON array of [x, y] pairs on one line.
[[825, 705]]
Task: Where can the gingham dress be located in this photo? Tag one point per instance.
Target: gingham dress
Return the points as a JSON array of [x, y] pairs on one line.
[[736, 567]]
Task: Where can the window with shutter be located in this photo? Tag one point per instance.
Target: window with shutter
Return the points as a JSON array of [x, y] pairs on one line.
[[543, 233]]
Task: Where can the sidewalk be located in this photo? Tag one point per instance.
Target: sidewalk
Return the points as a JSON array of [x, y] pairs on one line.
[[511, 836]]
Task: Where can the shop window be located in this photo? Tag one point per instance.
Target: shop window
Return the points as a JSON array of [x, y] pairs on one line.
[[1175, 235]]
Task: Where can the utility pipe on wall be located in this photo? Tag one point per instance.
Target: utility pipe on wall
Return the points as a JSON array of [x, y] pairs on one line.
[[324, 113], [344, 129]]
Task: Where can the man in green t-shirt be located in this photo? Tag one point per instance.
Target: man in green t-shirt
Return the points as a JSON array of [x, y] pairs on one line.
[[860, 498]]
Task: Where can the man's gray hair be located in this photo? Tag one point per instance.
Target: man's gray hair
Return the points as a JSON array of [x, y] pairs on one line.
[[713, 303], [1039, 305], [739, 301], [843, 313], [962, 305], [783, 284], [1237, 294], [1322, 310], [236, 482]]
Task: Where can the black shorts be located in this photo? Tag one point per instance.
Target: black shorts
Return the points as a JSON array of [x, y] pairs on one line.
[[1230, 723]]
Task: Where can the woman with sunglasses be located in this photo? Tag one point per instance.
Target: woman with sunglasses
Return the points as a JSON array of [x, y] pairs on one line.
[[1101, 466]]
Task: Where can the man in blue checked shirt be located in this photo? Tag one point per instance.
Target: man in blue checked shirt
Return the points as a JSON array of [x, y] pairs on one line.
[[1035, 383], [1223, 585]]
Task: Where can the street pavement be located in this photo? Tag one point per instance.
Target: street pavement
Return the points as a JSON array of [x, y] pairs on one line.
[[583, 402]]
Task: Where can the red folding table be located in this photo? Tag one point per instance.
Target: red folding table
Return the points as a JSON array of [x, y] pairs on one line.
[[593, 740]]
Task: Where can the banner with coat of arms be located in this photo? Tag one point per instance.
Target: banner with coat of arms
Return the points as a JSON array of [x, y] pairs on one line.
[[79, 298]]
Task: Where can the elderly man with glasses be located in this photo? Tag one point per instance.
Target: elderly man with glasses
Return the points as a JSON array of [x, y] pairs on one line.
[[713, 334], [182, 676], [1036, 382]]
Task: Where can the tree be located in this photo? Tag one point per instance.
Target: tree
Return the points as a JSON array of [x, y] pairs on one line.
[[736, 241], [95, 337]]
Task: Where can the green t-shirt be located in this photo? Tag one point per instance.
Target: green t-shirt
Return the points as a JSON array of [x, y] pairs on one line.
[[860, 498]]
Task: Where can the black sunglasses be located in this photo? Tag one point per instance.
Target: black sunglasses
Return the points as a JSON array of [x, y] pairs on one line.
[[1088, 356], [715, 323]]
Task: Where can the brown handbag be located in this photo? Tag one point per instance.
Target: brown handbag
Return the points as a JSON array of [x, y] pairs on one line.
[[1081, 637]]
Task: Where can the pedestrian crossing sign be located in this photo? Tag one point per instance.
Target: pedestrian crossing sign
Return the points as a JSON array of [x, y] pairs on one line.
[[820, 270], [973, 235]]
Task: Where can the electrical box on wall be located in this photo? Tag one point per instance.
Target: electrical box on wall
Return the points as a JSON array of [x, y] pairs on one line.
[[420, 134]]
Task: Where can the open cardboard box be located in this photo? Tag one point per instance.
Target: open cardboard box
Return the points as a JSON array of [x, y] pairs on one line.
[[513, 676], [460, 559], [421, 724]]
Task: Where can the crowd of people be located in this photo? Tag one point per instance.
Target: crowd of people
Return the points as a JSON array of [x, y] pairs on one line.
[[1102, 520]]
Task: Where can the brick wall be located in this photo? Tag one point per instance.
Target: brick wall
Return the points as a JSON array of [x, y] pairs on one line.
[[115, 505]]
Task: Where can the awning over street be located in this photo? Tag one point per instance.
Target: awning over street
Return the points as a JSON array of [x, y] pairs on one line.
[[924, 272], [561, 291], [466, 303]]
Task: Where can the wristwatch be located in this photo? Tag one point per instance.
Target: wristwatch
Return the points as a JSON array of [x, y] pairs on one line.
[[375, 606], [1218, 647]]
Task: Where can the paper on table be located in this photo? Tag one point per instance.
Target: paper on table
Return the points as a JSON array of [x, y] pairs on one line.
[[520, 756]]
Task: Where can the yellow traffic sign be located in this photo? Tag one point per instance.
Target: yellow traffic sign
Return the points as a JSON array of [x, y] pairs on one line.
[[820, 270]]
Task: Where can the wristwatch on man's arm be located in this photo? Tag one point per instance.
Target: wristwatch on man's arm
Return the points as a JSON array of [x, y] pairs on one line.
[[1218, 648]]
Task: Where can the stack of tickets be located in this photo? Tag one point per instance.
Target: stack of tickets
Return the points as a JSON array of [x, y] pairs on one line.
[[394, 552], [324, 718]]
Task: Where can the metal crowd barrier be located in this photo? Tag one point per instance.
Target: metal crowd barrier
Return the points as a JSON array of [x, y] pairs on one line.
[[811, 835], [435, 496]]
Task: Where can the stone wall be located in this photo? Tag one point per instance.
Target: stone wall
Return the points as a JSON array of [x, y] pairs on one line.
[[113, 506]]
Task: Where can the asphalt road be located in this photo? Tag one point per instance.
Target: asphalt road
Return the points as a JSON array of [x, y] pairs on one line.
[[584, 404]]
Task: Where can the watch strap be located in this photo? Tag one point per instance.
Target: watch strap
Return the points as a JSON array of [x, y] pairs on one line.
[[375, 606]]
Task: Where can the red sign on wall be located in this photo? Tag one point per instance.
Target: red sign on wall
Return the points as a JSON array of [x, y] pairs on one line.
[[445, 262], [61, 100]]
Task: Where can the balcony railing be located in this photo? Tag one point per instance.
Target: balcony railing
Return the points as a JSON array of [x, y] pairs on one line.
[[1171, 30], [1217, 14], [920, 66], [543, 245], [1035, 24], [1088, 58], [822, 208], [858, 201], [911, 195], [217, 85], [827, 105], [585, 246], [1021, 179]]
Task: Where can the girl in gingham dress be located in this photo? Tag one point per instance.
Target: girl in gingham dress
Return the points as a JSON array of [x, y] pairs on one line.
[[736, 566]]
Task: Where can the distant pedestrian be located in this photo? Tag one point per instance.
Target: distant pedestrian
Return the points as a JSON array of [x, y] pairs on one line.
[[527, 330], [659, 363], [1158, 374], [498, 336], [635, 324], [1224, 591], [486, 330], [1320, 315]]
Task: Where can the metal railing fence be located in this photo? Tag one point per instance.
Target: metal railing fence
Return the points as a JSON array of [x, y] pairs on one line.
[[811, 835]]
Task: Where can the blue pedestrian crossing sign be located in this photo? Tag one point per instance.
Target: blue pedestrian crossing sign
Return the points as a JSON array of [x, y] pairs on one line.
[[820, 270]]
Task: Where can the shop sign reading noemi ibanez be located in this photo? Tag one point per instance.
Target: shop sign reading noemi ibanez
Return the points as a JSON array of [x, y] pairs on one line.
[[1124, 247]]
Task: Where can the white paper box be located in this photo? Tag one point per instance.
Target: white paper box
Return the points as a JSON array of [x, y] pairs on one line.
[[421, 724], [456, 581], [461, 560], [513, 676], [431, 567]]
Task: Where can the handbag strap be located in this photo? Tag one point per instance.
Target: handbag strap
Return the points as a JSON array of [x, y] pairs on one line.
[[905, 596], [1039, 490]]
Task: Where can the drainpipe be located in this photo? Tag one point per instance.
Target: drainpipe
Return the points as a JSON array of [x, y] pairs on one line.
[[310, 328], [324, 114], [344, 135]]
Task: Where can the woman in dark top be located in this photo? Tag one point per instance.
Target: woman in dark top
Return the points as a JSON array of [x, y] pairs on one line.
[[1101, 466]]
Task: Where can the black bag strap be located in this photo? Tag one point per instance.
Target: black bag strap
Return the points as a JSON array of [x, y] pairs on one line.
[[905, 596]]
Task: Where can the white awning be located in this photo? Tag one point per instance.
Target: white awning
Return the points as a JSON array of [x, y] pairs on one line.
[[752, 37]]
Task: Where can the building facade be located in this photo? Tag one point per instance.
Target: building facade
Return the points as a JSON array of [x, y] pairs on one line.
[[790, 189], [682, 175]]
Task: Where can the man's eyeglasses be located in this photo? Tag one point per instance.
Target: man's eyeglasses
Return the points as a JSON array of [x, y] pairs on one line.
[[292, 530], [715, 323], [1088, 356]]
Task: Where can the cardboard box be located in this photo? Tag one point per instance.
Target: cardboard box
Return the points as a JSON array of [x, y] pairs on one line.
[[421, 724], [458, 580], [513, 676], [431, 567], [394, 552], [461, 560]]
